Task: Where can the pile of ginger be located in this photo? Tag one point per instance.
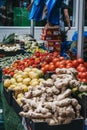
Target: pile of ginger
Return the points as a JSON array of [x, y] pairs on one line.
[[51, 101]]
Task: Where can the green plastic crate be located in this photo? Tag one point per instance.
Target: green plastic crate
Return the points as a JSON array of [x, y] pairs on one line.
[[21, 17]]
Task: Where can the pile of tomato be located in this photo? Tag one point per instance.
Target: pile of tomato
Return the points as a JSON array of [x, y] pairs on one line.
[[60, 62], [49, 62]]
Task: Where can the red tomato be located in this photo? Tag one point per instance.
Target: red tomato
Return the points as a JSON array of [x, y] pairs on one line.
[[55, 54], [51, 67], [61, 58], [61, 66], [82, 69], [85, 64], [80, 60], [55, 60], [83, 75], [43, 70], [68, 61], [11, 73], [63, 62], [81, 65], [37, 61], [48, 59], [79, 75], [43, 64], [34, 66], [69, 64], [46, 67], [57, 64], [75, 63], [84, 80], [51, 63]]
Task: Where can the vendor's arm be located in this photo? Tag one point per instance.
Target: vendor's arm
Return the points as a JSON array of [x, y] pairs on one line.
[[65, 6]]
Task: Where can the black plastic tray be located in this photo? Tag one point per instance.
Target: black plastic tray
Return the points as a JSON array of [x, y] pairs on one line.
[[16, 107], [77, 124], [8, 95], [12, 53], [83, 102]]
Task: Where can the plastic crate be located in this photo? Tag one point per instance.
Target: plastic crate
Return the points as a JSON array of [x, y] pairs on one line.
[[21, 17], [77, 124]]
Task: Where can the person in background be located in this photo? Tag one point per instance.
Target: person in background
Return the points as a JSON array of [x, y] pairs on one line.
[[55, 11], [58, 14], [65, 15]]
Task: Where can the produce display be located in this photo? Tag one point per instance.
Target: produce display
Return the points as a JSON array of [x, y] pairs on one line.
[[15, 38], [6, 62], [52, 101], [34, 61], [10, 48], [44, 84], [22, 81]]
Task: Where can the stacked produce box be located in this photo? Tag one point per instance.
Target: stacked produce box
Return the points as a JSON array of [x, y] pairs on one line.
[[52, 39]]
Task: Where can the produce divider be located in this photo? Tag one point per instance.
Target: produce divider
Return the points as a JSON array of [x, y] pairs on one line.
[[77, 124], [83, 103]]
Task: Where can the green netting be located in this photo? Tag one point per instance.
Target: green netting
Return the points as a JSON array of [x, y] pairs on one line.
[[21, 17]]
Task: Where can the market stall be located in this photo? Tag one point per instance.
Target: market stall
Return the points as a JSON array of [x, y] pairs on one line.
[[41, 88]]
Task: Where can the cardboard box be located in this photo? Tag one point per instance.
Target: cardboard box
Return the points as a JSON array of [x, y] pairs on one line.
[[51, 31], [53, 45], [49, 37]]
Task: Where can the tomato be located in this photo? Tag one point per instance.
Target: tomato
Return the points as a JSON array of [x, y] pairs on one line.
[[85, 64], [48, 59], [37, 54], [80, 60], [43, 64], [37, 61], [51, 67], [81, 65], [55, 54], [46, 67], [82, 69], [63, 62], [61, 58], [79, 75], [75, 63], [69, 64], [61, 66], [83, 76], [68, 61], [11, 73], [55, 60], [51, 63], [84, 80], [57, 64], [43, 70], [34, 66]]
